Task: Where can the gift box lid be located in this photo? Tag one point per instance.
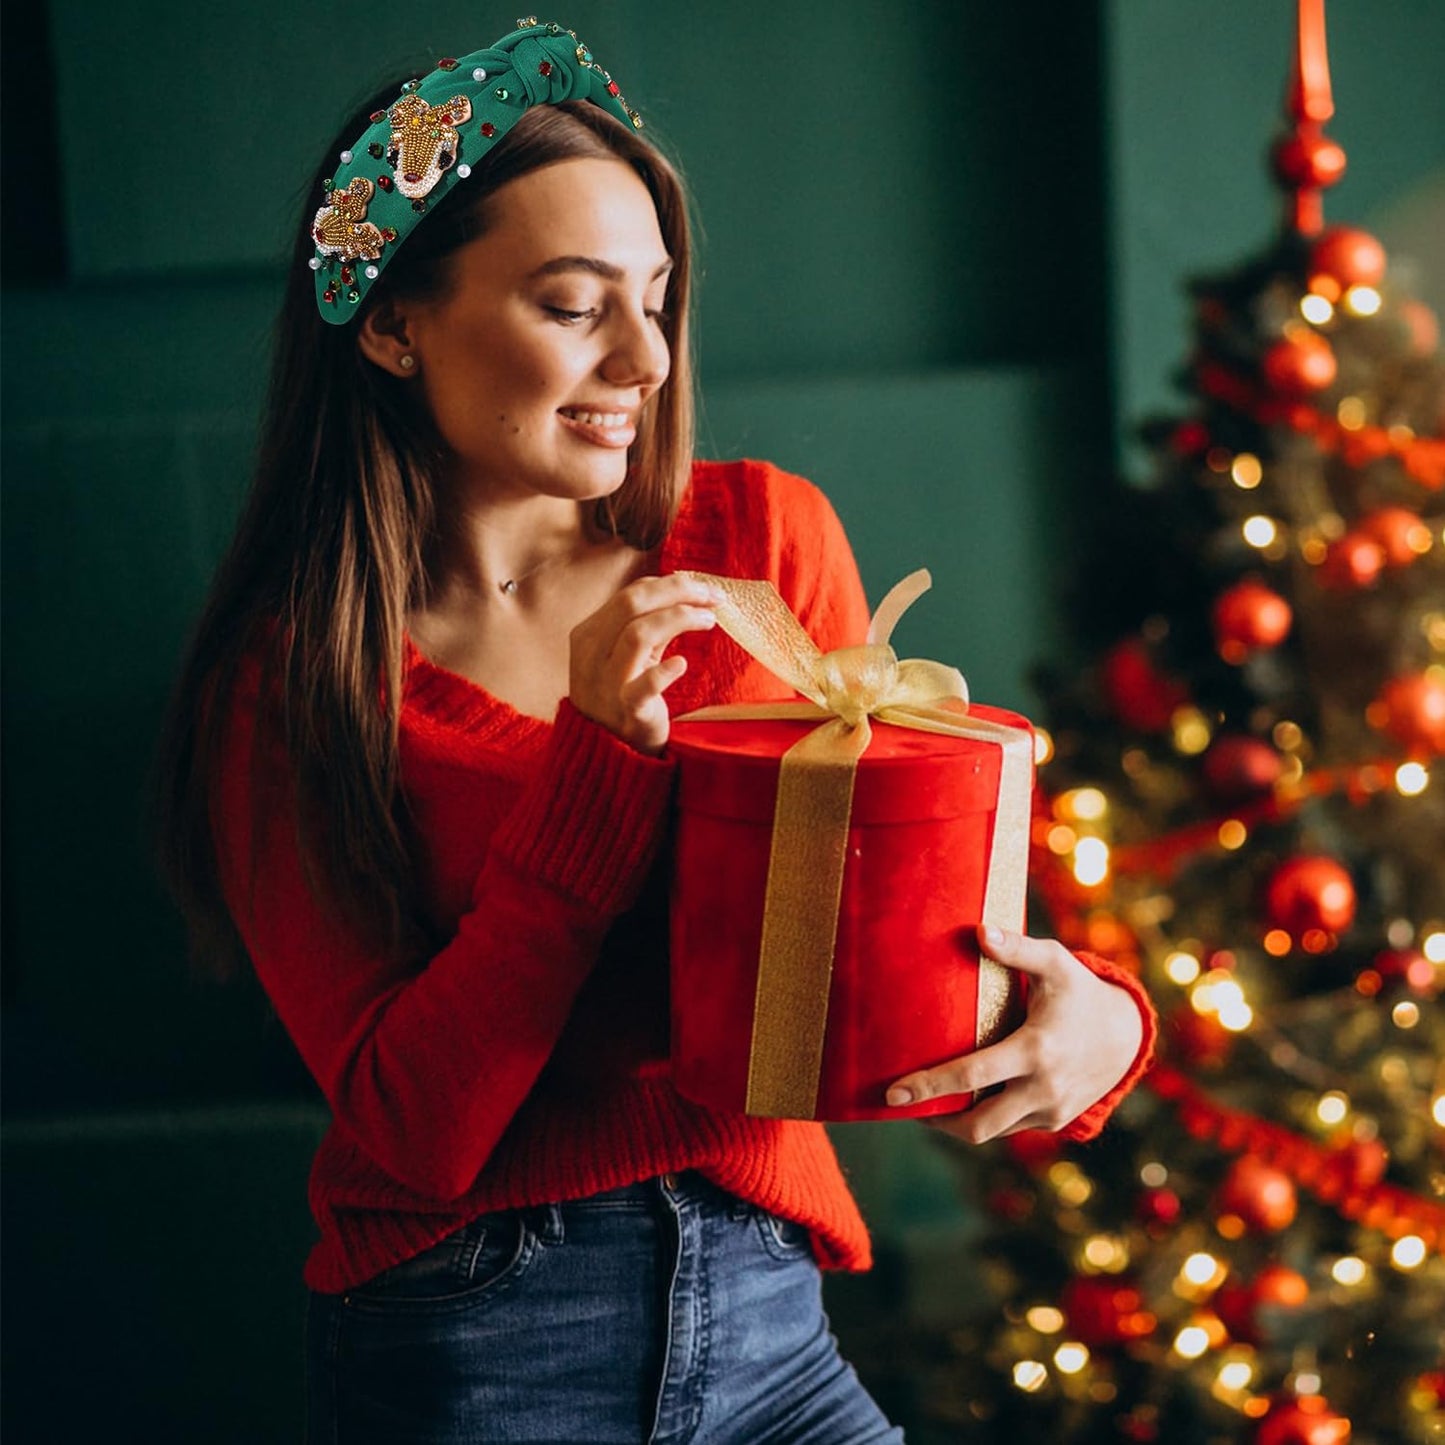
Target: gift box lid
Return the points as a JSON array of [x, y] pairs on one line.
[[729, 769]]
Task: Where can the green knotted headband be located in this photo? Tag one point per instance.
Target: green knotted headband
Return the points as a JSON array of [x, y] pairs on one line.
[[428, 140]]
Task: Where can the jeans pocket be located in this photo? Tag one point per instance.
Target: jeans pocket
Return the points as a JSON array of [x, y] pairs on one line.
[[784, 1239], [474, 1264]]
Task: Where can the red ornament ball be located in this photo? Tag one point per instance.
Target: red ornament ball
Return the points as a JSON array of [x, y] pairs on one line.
[[1259, 1194], [1140, 694], [1308, 160], [1160, 1208], [1307, 1420], [1422, 326], [1310, 892], [1408, 964], [1250, 617], [1352, 563], [1275, 1287], [1411, 709], [1349, 256], [1237, 768], [1105, 1310], [1300, 365], [1398, 532]]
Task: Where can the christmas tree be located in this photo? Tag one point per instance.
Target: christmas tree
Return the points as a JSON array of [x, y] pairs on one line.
[[1243, 797]]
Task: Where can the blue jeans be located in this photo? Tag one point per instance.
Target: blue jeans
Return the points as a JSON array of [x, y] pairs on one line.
[[666, 1311]]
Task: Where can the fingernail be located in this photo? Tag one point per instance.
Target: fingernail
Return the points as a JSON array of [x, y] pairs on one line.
[[993, 935], [899, 1095]]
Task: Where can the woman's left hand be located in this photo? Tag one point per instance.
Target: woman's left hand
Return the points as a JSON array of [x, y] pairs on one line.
[[1079, 1038]]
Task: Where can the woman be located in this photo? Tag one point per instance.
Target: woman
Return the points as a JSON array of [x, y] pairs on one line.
[[420, 779]]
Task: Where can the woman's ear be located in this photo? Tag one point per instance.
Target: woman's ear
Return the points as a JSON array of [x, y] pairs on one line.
[[385, 339]]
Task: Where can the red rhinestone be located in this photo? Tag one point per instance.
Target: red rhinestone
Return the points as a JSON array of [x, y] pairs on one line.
[[384, 182], [388, 233], [328, 295], [613, 88], [545, 68], [448, 64], [445, 117], [347, 275], [377, 115], [488, 129]]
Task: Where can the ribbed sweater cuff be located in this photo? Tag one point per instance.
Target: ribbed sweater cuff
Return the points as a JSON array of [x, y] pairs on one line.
[[1093, 1119], [590, 822]]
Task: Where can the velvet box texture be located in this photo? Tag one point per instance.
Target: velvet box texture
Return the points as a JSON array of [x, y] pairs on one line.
[[904, 991]]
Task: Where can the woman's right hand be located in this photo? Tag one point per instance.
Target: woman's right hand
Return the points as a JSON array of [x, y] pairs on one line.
[[618, 672]]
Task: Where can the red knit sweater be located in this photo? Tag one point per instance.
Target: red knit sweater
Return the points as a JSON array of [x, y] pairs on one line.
[[526, 1061]]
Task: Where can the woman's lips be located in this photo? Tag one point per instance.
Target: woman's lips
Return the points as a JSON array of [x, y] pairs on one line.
[[600, 428]]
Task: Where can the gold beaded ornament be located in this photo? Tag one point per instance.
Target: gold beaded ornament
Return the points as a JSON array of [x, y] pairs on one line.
[[427, 141]]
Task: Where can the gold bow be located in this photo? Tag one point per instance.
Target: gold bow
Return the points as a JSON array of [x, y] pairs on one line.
[[846, 688]]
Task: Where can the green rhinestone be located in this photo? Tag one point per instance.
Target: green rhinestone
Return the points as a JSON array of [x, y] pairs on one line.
[[353, 296], [327, 184], [584, 55], [554, 29], [375, 150], [502, 93]]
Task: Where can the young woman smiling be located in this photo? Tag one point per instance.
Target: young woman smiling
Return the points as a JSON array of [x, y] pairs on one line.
[[417, 774]]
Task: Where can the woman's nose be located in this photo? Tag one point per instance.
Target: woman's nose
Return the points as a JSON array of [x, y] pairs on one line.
[[639, 355]]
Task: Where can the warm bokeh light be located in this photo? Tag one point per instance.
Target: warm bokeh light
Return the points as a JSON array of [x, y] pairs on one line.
[[1086, 804], [1408, 1252], [1287, 735], [1191, 730], [1061, 839], [1362, 300], [1182, 967], [1154, 1174], [1411, 779], [1029, 1375], [1277, 943], [1333, 1107], [1091, 861], [1232, 834], [1045, 1319], [1071, 1357], [1437, 1110], [1259, 531], [1191, 1342], [1351, 413], [1235, 1015], [1246, 471], [1349, 1270], [1405, 1014], [1433, 947], [1236, 1374], [1043, 746], [1316, 309], [1202, 1270]]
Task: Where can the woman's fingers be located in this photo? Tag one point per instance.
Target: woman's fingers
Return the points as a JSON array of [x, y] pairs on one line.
[[618, 672], [997, 1064], [1042, 957]]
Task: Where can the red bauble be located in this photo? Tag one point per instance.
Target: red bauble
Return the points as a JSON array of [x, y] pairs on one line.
[[1249, 617], [1310, 892], [1422, 325], [1159, 1208], [1396, 530], [1238, 768], [1197, 1039], [1275, 1287], [1262, 1196], [1408, 964], [1299, 365], [1139, 693], [1105, 1310], [1308, 160], [1307, 1420], [1352, 562], [1349, 256], [1411, 709]]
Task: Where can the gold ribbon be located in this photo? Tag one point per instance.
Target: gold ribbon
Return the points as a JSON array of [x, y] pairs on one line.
[[810, 819]]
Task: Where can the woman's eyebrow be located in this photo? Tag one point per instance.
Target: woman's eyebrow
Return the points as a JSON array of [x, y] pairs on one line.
[[560, 264]]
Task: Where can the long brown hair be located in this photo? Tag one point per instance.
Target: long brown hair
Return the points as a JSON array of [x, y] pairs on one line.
[[328, 554]]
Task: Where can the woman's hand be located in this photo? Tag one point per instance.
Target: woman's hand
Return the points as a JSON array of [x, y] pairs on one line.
[[1080, 1037], [618, 672]]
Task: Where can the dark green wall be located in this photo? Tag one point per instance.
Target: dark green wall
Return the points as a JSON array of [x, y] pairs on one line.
[[922, 227]]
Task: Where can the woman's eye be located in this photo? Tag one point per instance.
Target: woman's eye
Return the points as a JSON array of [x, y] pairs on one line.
[[569, 318], [659, 316]]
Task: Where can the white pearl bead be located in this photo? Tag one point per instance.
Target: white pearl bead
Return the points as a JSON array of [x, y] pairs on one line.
[[372, 272], [464, 171], [346, 158], [479, 74], [315, 263]]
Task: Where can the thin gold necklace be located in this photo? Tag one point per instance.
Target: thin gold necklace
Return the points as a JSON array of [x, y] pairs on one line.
[[508, 587]]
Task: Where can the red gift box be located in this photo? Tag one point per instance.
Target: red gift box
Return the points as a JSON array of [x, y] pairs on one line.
[[829, 880]]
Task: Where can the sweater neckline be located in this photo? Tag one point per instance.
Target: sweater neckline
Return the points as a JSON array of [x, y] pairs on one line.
[[459, 704]]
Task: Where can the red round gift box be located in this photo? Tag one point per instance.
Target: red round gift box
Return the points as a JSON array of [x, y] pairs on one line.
[[904, 985]]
